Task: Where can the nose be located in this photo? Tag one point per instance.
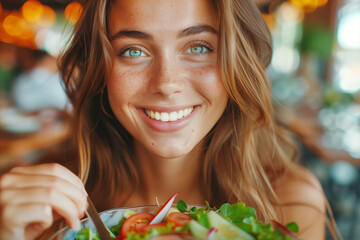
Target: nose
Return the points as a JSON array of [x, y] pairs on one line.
[[166, 77]]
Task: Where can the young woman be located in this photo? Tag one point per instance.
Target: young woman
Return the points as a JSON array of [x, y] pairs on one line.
[[169, 96]]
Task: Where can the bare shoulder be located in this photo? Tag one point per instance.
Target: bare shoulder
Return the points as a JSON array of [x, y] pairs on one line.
[[301, 185], [303, 201]]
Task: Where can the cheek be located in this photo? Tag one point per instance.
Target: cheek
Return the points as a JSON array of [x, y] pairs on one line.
[[209, 83], [123, 85]]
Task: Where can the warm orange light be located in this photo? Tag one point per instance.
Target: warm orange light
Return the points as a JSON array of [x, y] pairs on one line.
[[73, 11], [4, 37], [322, 2], [48, 18], [270, 20], [32, 10], [13, 25], [309, 5], [0, 8], [27, 34], [298, 3]]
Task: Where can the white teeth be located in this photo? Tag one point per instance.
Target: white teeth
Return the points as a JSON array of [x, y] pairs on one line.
[[180, 114], [166, 117], [173, 116], [186, 112], [157, 116]]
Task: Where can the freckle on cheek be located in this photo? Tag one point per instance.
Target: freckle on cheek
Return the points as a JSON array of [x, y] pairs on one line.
[[122, 82], [205, 72]]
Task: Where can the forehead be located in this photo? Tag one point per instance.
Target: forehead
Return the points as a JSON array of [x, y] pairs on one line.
[[157, 15]]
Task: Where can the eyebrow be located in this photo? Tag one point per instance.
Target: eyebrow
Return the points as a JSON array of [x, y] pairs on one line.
[[131, 34], [193, 30], [196, 30]]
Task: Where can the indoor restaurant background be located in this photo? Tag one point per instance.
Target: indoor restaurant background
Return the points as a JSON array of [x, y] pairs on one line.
[[314, 73]]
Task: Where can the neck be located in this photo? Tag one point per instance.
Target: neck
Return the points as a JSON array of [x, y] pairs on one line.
[[160, 178]]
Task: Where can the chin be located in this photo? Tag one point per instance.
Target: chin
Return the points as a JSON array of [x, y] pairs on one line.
[[170, 152]]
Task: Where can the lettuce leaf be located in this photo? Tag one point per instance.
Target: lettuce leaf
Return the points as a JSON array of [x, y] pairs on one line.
[[87, 234]]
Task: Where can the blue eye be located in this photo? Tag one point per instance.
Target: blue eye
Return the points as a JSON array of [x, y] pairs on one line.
[[132, 52], [198, 49]]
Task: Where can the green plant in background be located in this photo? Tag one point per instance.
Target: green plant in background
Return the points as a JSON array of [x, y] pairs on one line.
[[6, 77], [317, 39], [331, 97]]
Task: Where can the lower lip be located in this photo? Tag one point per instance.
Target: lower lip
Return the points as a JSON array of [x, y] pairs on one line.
[[170, 126]]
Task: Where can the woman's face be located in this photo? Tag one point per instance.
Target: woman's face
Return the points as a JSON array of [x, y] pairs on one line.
[[164, 86]]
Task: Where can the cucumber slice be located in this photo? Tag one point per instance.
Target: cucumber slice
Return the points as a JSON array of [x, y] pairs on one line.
[[202, 233], [198, 230], [226, 228]]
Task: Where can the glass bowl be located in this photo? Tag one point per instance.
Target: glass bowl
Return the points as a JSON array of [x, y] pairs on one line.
[[110, 218]]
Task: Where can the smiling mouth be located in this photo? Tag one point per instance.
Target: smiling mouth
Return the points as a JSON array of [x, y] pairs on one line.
[[169, 116]]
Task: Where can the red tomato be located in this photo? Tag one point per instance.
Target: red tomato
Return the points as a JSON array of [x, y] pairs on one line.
[[179, 219], [135, 223]]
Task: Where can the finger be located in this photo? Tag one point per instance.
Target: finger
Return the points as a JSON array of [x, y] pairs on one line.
[[21, 215], [21, 181], [60, 203], [52, 169]]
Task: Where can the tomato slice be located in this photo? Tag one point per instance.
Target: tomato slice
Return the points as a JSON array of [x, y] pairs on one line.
[[135, 223], [179, 219]]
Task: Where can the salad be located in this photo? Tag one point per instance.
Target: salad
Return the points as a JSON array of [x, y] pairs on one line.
[[230, 221]]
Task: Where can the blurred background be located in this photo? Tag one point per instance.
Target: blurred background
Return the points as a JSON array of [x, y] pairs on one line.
[[315, 75]]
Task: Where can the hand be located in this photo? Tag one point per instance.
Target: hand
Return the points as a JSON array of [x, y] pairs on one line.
[[33, 197]]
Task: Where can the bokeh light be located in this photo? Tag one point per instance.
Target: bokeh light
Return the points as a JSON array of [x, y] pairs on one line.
[[40, 37], [73, 11], [343, 172], [51, 40], [351, 141], [349, 31], [32, 10], [286, 59], [13, 25], [27, 34], [348, 78], [291, 13], [48, 18], [309, 5]]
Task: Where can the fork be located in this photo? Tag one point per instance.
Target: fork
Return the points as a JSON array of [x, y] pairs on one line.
[[102, 230]]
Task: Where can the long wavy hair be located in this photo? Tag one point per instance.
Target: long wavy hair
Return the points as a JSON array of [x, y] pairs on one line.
[[245, 152]]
